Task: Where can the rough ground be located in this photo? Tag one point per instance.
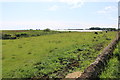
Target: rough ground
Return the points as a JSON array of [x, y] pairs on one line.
[[73, 75]]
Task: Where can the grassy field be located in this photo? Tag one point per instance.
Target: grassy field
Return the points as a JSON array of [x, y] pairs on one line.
[[52, 55], [112, 70]]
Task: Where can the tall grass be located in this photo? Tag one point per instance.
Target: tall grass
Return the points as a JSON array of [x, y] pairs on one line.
[[112, 69]]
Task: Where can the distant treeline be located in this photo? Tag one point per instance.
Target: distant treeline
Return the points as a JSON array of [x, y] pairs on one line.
[[106, 29], [97, 28]]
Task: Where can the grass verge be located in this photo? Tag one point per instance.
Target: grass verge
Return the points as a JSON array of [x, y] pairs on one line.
[[112, 70]]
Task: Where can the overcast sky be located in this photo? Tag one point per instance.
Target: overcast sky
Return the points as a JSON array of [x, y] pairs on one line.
[[58, 14]]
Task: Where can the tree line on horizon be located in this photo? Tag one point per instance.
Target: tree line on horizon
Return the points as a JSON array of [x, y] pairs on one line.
[[106, 29]]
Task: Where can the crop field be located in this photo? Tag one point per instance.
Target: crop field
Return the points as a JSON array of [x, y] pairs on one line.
[[52, 56]]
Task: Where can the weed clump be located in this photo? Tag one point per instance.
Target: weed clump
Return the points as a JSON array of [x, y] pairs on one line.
[[19, 46], [29, 53], [108, 39], [94, 37], [96, 33], [79, 50]]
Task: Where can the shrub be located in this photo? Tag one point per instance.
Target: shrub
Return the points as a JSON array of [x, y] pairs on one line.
[[6, 36], [47, 30], [22, 35], [96, 32], [17, 35]]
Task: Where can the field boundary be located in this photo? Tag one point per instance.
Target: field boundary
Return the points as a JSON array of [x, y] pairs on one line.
[[98, 65]]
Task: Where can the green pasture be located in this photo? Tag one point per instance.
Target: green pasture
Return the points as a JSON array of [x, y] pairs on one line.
[[52, 55]]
